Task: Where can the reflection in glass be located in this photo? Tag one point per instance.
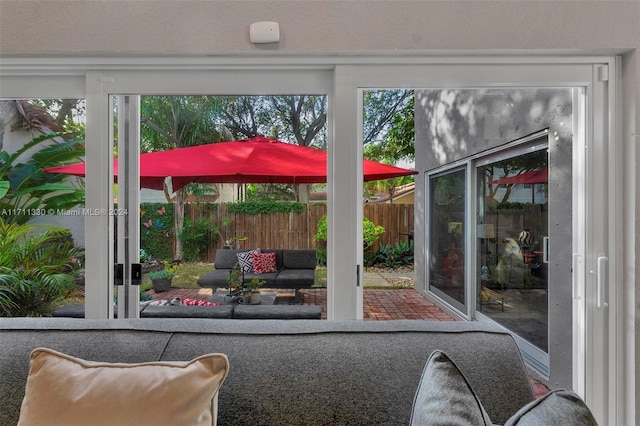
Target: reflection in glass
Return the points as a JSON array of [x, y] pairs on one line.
[[446, 235], [513, 201]]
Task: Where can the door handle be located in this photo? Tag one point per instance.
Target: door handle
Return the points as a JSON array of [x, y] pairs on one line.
[[118, 274], [545, 250], [601, 282], [136, 274]]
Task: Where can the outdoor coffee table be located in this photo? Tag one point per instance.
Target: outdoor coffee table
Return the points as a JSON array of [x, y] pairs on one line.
[[267, 309], [266, 297]]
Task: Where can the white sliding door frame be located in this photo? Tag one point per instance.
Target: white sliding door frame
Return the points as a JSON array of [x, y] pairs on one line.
[[101, 86]]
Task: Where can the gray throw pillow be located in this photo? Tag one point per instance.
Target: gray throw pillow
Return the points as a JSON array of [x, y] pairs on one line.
[[559, 407], [444, 396]]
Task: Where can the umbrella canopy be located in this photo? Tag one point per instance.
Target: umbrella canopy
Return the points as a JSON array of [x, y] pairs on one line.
[[255, 160], [534, 176]]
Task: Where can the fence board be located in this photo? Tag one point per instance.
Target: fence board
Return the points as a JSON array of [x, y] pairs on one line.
[[295, 230]]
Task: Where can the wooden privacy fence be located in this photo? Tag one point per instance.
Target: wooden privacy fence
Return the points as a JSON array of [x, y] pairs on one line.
[[295, 230]]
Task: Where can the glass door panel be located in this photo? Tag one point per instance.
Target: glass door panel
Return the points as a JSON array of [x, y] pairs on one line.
[[446, 235], [388, 149], [209, 181], [513, 230]]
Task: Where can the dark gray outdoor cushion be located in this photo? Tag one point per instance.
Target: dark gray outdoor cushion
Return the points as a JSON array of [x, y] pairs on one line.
[[299, 259], [221, 311], [277, 312], [444, 396], [216, 278], [295, 278], [559, 407], [269, 278], [74, 311], [226, 258], [69, 311]]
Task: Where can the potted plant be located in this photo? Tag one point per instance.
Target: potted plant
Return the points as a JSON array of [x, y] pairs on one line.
[[235, 284], [161, 279], [254, 292], [226, 221]]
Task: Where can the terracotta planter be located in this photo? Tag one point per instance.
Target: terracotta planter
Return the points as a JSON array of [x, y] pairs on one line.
[[161, 284]]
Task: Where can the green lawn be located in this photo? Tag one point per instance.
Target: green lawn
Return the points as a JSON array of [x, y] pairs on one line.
[[187, 275], [321, 276]]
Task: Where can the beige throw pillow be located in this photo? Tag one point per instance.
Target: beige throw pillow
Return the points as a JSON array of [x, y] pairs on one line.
[[63, 390]]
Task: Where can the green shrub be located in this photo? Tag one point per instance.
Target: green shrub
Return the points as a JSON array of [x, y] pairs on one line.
[[265, 207], [393, 256], [169, 271], [321, 257], [369, 258], [196, 237], [370, 231], [321, 233], [25, 186], [156, 230], [144, 287], [38, 266]]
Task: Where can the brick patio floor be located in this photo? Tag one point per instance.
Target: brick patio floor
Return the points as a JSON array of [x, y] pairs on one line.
[[378, 304]]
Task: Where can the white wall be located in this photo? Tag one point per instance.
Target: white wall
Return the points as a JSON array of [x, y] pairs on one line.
[[216, 26]]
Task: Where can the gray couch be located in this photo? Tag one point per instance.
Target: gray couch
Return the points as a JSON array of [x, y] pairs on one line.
[[286, 372], [295, 269]]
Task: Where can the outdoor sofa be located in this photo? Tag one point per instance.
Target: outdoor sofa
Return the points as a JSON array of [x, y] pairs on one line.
[[289, 372], [294, 269], [224, 311]]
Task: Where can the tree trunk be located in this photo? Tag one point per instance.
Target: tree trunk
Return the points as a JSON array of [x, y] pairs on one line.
[[302, 193], [178, 220]]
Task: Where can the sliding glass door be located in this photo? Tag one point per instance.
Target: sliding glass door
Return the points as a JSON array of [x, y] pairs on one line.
[[179, 112], [512, 244], [506, 173], [446, 236]]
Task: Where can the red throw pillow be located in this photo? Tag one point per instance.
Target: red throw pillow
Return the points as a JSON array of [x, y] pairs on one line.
[[264, 263]]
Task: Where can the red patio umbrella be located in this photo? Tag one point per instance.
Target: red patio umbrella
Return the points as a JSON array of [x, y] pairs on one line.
[[534, 176], [255, 160]]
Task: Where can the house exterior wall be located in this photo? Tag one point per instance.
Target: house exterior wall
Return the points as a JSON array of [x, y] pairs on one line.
[[317, 27], [409, 198], [455, 124], [227, 194]]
